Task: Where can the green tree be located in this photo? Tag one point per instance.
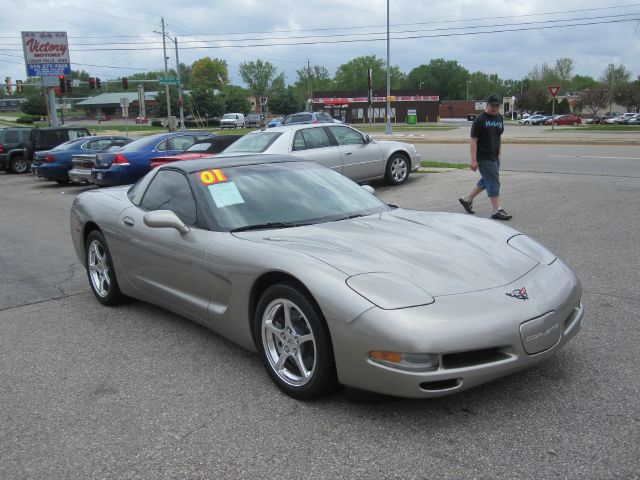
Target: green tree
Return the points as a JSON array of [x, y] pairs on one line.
[[35, 104], [564, 69], [160, 109], [594, 100], [536, 97], [287, 102], [203, 103], [235, 99], [481, 85], [446, 76], [320, 79], [262, 78], [353, 74], [628, 95], [582, 82], [209, 73]]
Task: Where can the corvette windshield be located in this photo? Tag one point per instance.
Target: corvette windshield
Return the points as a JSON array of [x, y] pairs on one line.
[[280, 195]]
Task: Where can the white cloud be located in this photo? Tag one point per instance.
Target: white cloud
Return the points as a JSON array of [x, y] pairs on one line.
[[509, 54]]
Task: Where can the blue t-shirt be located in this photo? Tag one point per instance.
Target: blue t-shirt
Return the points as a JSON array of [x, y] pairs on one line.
[[487, 129]]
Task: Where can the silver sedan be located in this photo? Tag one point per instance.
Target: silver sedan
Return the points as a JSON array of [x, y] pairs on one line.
[[339, 147], [326, 282]]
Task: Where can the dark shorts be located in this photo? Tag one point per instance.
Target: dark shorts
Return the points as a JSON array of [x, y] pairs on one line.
[[490, 173]]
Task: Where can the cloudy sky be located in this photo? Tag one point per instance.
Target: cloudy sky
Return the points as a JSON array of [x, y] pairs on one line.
[[115, 38]]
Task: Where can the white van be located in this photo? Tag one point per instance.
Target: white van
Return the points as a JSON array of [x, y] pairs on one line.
[[232, 120]]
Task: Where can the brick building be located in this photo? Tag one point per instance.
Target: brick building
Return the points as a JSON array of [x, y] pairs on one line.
[[353, 106]]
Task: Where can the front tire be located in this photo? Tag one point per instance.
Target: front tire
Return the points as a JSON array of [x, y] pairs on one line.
[[294, 344], [101, 271], [397, 171], [18, 165]]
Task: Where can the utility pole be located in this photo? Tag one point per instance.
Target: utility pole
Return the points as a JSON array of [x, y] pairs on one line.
[[309, 94], [468, 82], [387, 129], [180, 99], [166, 72]]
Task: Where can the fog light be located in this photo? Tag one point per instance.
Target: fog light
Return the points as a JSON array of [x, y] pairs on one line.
[[423, 362]]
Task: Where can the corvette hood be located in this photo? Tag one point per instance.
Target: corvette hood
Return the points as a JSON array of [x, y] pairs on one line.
[[443, 253]]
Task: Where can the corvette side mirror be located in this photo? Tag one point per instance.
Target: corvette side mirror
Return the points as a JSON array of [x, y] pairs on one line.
[[165, 219], [369, 189]]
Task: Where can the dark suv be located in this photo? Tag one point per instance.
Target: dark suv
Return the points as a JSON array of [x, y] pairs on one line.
[[12, 143], [48, 138]]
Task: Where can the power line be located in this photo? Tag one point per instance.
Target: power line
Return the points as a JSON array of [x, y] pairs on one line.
[[411, 37]]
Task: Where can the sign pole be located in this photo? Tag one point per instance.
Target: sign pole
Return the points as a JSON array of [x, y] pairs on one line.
[[553, 111], [52, 106]]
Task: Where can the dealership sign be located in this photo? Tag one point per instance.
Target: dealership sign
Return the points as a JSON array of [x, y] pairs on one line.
[[46, 54]]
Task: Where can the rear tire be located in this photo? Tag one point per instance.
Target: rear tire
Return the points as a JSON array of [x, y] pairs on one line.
[[18, 165]]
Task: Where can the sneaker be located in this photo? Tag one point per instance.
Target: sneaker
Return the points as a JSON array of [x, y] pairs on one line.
[[468, 206], [500, 214]]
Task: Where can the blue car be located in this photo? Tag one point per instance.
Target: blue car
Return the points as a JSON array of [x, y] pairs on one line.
[[55, 164], [275, 122], [133, 161]]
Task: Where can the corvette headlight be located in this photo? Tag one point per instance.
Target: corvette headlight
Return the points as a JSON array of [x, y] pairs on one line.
[[417, 362], [531, 248], [389, 291]]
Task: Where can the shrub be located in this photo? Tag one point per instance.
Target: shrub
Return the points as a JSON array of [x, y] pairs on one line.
[[156, 123], [27, 119]]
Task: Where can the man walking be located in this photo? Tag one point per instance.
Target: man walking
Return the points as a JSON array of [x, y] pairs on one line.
[[485, 157]]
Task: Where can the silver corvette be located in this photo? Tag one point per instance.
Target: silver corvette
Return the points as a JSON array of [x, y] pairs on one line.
[[326, 282]]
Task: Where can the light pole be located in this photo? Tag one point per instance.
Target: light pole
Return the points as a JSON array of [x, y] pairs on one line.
[[468, 82], [388, 129], [420, 88], [180, 99]]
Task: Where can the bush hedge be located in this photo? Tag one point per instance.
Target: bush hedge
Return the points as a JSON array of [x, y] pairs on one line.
[[29, 119]]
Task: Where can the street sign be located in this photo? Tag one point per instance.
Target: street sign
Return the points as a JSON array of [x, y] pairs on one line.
[[553, 90], [124, 102], [168, 80]]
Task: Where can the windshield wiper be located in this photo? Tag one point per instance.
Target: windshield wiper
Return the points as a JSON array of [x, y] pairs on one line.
[[262, 226], [349, 217]]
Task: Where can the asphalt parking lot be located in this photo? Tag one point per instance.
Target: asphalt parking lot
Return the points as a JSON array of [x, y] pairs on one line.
[[137, 392]]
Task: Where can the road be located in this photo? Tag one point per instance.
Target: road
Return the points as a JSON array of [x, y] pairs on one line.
[[618, 161], [137, 392]]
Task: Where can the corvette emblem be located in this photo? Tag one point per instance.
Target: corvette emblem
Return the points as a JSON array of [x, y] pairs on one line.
[[520, 293]]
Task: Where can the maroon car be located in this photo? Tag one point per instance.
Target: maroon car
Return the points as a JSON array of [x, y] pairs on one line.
[[200, 149], [568, 119]]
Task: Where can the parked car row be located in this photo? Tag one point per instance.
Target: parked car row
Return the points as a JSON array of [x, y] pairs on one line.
[[117, 160]]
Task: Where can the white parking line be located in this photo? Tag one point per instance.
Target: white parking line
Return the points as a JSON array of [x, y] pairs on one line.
[[590, 156]]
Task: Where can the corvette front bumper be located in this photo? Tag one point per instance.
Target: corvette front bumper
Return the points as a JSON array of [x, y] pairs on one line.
[[478, 336]]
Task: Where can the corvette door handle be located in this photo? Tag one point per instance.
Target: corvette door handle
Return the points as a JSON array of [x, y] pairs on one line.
[[347, 153], [128, 222]]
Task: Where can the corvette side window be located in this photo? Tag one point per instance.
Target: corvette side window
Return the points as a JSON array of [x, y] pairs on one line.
[[170, 190]]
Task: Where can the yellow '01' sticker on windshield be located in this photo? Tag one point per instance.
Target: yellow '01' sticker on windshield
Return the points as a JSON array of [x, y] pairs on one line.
[[209, 177]]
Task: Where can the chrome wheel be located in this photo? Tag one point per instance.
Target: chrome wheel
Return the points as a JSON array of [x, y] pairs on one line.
[[289, 343], [397, 170], [99, 270]]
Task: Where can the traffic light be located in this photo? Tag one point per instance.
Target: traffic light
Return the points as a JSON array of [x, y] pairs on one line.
[[125, 83], [7, 80], [69, 86], [98, 84], [92, 83], [19, 87], [62, 84]]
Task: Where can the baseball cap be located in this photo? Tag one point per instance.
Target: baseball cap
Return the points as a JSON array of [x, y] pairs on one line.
[[494, 100]]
